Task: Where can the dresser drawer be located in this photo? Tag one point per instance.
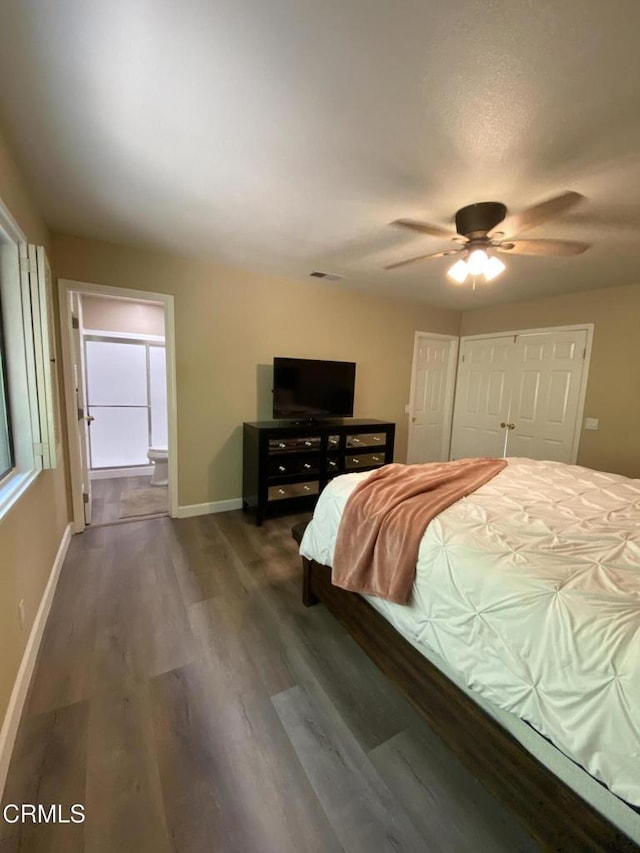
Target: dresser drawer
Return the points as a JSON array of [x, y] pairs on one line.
[[367, 439], [363, 460], [287, 465], [333, 466], [293, 490], [286, 445]]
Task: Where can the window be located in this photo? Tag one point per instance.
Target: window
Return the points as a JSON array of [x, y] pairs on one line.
[[6, 441], [27, 382]]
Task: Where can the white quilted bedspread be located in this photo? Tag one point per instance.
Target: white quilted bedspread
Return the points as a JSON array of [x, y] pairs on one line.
[[530, 589]]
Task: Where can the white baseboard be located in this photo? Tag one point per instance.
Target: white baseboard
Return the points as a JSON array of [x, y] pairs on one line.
[[208, 508], [112, 473], [21, 685]]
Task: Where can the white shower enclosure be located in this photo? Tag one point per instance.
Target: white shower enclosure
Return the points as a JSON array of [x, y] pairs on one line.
[[126, 399]]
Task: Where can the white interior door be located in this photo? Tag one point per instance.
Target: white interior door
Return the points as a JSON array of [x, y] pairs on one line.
[[547, 376], [83, 421], [431, 398], [482, 398]]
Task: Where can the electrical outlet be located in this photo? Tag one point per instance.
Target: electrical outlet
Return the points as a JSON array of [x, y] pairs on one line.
[[21, 612], [591, 423]]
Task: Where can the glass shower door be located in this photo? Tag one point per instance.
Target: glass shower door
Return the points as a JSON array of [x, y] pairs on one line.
[[118, 400]]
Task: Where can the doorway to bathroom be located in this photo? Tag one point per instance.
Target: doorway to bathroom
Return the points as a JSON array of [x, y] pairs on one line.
[[120, 393]]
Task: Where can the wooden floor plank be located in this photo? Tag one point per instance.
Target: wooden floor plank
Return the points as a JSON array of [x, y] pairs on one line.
[[258, 753], [48, 768], [123, 793], [64, 669], [445, 802], [228, 784], [185, 696], [363, 812]]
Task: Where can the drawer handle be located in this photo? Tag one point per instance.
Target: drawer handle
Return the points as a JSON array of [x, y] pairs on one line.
[[281, 492], [307, 444], [376, 458], [281, 444], [307, 488], [355, 460], [281, 468], [333, 464], [376, 437], [306, 465], [355, 440]]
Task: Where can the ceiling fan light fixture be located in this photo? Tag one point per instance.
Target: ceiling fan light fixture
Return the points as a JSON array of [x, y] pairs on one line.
[[459, 271], [477, 261], [493, 268]]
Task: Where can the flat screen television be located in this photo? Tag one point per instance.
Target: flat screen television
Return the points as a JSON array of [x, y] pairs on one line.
[[309, 389]]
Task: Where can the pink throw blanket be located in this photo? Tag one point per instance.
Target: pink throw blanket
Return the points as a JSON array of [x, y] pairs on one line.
[[386, 516]]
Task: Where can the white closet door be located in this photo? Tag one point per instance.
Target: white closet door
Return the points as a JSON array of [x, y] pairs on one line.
[[482, 398], [432, 384], [546, 379]]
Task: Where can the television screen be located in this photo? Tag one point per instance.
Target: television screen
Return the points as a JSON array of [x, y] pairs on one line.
[[306, 388]]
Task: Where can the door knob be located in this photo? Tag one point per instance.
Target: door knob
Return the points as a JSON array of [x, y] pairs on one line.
[[89, 419], [505, 425]]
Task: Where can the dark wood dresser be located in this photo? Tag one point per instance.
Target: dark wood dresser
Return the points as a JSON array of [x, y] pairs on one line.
[[285, 464]]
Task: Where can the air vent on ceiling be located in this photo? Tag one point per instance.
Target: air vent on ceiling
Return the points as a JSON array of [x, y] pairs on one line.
[[330, 276]]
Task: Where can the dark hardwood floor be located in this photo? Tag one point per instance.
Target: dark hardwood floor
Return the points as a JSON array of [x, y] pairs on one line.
[[190, 702]]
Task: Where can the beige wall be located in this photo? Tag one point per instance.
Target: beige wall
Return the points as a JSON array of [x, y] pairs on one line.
[[118, 315], [229, 326], [613, 392], [31, 532]]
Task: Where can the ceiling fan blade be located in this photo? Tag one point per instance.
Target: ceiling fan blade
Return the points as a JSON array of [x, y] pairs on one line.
[[550, 248], [539, 213], [422, 258], [426, 228]]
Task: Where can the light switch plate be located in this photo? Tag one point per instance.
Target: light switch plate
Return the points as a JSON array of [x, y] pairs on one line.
[[591, 423]]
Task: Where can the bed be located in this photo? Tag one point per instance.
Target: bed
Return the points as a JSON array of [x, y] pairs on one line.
[[525, 620]]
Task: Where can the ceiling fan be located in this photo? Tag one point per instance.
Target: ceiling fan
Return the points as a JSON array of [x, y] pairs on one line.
[[478, 236]]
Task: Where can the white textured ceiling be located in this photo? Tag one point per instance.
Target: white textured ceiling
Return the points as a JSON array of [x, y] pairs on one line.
[[284, 135]]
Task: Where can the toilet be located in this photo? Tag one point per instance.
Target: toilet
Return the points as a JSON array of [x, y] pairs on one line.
[[159, 458]]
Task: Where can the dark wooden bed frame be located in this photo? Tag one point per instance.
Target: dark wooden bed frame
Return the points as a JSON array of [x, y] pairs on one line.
[[551, 811]]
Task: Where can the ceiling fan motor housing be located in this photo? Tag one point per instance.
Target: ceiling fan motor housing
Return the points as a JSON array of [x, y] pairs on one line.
[[476, 220]]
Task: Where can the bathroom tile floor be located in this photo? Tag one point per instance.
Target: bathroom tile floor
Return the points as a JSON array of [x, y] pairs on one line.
[[106, 496]]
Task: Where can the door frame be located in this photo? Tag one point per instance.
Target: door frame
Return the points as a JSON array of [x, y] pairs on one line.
[[449, 397], [67, 286], [574, 327]]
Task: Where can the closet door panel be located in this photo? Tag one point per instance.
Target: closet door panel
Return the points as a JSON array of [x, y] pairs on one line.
[[482, 398], [546, 387]]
